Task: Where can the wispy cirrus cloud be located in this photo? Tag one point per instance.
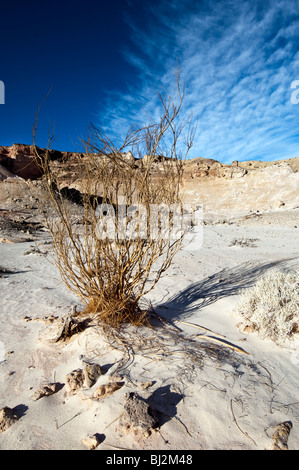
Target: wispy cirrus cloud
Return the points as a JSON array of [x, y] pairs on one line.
[[238, 60]]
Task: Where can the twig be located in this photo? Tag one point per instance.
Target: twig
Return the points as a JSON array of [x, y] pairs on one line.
[[200, 327], [224, 343], [165, 440], [75, 416], [235, 421], [116, 419], [223, 390], [183, 426], [270, 376], [178, 420]]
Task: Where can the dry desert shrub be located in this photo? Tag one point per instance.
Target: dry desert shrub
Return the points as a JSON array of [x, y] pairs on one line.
[[271, 306], [122, 247]]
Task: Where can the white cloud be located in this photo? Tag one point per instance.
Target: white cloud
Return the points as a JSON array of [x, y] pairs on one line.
[[238, 59]]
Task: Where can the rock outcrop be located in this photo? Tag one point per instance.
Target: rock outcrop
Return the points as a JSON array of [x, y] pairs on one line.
[[228, 190], [222, 189], [19, 160]]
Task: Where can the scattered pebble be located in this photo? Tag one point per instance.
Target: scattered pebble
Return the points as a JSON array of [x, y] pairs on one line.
[[145, 385], [74, 380], [281, 435], [91, 374], [46, 390], [7, 418], [92, 442], [104, 391]]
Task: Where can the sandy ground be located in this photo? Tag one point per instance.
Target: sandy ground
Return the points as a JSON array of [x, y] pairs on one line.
[[206, 394]]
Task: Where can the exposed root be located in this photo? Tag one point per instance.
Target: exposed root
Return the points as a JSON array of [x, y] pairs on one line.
[[71, 327], [236, 423]]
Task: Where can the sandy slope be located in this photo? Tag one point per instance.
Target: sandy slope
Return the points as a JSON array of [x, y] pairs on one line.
[[205, 397]]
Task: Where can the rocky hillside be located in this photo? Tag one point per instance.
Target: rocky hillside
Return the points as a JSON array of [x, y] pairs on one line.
[[223, 190], [242, 187]]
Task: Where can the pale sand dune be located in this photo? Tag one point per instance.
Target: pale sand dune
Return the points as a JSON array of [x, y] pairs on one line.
[[204, 399]]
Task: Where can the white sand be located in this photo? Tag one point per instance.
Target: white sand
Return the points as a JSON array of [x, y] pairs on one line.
[[233, 402]]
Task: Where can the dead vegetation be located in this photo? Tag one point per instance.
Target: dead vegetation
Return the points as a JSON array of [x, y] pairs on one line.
[[70, 327], [115, 256], [271, 306]]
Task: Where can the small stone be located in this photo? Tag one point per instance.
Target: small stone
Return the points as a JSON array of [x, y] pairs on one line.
[[104, 391], [249, 329], [145, 385], [246, 327], [7, 418], [92, 441], [281, 435], [91, 374], [46, 391], [75, 380]]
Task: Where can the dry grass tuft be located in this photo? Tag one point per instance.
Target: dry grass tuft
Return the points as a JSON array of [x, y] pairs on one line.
[[271, 306]]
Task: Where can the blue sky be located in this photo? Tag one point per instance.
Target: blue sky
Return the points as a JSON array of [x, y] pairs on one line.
[[102, 59]]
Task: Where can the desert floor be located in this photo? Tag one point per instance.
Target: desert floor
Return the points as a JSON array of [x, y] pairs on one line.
[[207, 394]]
